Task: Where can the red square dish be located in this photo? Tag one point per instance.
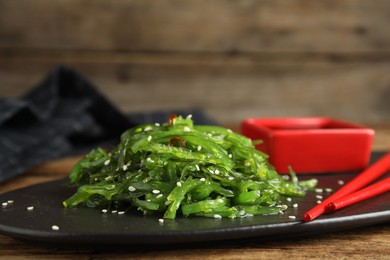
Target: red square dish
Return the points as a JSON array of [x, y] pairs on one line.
[[311, 144]]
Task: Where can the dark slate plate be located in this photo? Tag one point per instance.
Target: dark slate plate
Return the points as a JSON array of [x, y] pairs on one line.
[[90, 226]]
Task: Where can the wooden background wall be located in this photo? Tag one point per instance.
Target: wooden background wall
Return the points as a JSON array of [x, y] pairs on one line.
[[233, 59]]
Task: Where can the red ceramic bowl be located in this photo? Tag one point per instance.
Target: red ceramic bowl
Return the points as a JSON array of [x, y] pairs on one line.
[[311, 145]]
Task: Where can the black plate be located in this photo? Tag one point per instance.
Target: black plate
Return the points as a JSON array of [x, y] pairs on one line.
[[91, 226]]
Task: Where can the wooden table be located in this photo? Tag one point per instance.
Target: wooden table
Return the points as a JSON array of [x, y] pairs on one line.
[[372, 242]]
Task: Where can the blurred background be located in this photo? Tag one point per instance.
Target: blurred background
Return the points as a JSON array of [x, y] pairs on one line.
[[232, 59]]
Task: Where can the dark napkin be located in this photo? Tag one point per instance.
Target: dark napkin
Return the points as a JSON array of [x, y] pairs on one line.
[[64, 115]]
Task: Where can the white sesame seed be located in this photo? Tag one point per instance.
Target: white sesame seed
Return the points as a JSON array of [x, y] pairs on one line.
[[199, 148], [202, 179], [284, 206], [319, 202], [220, 200], [161, 220], [216, 172], [178, 183], [230, 178], [319, 197], [340, 182], [189, 116], [148, 128], [292, 217], [107, 162], [319, 190], [286, 177], [104, 211], [197, 167], [230, 155], [209, 135], [149, 138], [114, 211], [4, 204], [10, 201], [159, 195], [121, 212], [186, 129], [30, 208], [156, 191], [157, 124], [247, 164], [54, 227], [289, 199], [328, 190], [217, 216], [124, 167], [131, 188], [295, 205]]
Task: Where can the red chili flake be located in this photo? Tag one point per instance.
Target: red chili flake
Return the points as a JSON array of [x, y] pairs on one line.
[[174, 139], [171, 117]]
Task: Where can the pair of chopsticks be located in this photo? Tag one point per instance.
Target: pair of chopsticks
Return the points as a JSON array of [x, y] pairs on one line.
[[350, 193]]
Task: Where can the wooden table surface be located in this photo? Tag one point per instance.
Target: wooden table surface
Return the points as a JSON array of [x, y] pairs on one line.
[[372, 242]]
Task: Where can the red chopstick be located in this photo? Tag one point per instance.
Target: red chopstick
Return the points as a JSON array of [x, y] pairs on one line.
[[373, 172], [366, 193]]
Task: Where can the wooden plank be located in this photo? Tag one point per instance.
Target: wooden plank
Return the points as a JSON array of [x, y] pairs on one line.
[[197, 25], [227, 88]]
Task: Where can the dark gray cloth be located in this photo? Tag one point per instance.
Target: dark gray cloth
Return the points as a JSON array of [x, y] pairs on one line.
[[63, 115]]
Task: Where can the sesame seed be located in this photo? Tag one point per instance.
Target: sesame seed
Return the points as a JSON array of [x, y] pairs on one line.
[[247, 164], [319, 197], [156, 191], [159, 195], [186, 129], [54, 227], [199, 148], [161, 220], [230, 155], [124, 167], [292, 217], [340, 182], [295, 205], [30, 208], [284, 206], [230, 178], [217, 216], [4, 204], [289, 199], [319, 190], [319, 202], [178, 183], [131, 188], [216, 172], [202, 179], [104, 211], [220, 200], [286, 177], [197, 167], [10, 201], [121, 212], [107, 162], [189, 116], [149, 138], [157, 124], [148, 128], [328, 190], [209, 135], [114, 211]]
